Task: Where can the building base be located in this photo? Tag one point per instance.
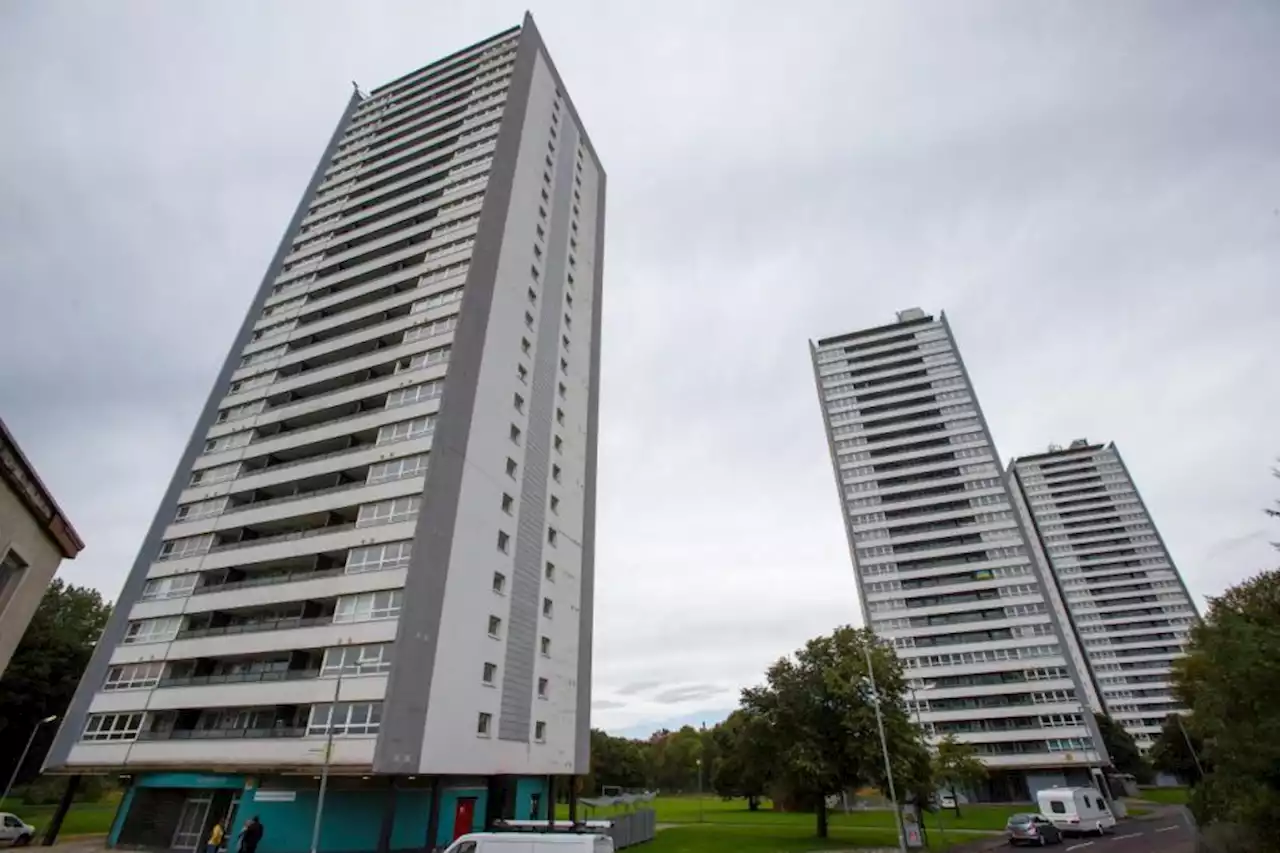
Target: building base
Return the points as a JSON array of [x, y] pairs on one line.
[[361, 814]]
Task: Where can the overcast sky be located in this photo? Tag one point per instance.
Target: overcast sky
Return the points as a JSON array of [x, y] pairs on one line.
[[1091, 191]]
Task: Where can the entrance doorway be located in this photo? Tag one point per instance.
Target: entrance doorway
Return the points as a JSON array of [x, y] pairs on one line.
[[464, 816], [190, 829]]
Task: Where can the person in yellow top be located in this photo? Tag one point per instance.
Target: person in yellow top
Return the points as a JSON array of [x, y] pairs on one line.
[[215, 838]]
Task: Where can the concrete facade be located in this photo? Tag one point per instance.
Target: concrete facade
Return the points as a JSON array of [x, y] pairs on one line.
[[1116, 581], [381, 532], [35, 537], [942, 562]]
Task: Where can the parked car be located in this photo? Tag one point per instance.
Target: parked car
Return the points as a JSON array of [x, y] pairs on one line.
[[525, 842], [946, 801], [1032, 829], [15, 831]]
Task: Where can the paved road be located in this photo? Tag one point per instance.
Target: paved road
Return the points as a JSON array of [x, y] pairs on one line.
[[1167, 830]]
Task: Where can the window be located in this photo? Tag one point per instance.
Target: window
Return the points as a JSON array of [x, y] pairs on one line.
[[564, 340], [499, 583], [389, 512], [547, 607], [495, 627], [376, 558], [552, 535], [540, 731], [555, 504], [511, 468], [220, 474], [229, 442], [542, 211], [345, 718], [555, 473], [542, 688], [483, 724], [176, 549], [174, 586], [537, 253], [159, 630], [406, 430], [544, 645], [133, 676], [562, 389], [528, 319], [560, 416], [558, 444], [518, 402], [522, 373], [357, 660], [525, 346], [415, 394], [541, 232], [246, 410], [515, 434], [490, 673], [368, 606], [397, 469], [533, 296], [1057, 807], [113, 727], [504, 541], [550, 571], [200, 509], [564, 366]]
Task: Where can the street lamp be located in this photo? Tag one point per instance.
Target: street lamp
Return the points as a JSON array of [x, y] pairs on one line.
[[18, 767], [699, 790], [884, 746]]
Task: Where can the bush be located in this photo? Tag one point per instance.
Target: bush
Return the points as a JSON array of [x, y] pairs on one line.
[[48, 790]]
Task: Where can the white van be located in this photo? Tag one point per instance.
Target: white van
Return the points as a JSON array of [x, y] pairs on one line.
[[1076, 809], [530, 842]]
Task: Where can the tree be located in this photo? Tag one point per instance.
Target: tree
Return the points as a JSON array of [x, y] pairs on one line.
[[956, 765], [743, 768], [615, 761], [1230, 679], [673, 759], [817, 713], [1171, 752], [45, 669], [1124, 752]]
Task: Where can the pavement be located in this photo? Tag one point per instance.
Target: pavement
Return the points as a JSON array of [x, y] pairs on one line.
[[1166, 829]]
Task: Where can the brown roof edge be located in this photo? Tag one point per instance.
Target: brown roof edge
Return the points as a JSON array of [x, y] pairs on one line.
[[21, 475]]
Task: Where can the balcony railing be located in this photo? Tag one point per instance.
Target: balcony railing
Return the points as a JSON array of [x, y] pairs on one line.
[[224, 734], [254, 627], [240, 677], [269, 580], [287, 498]]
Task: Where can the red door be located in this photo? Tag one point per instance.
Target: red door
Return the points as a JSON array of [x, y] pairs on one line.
[[464, 815]]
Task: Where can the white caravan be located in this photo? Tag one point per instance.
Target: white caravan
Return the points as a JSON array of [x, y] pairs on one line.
[[1076, 809]]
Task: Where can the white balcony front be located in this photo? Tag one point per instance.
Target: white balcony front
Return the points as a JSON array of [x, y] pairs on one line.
[[309, 691], [233, 645]]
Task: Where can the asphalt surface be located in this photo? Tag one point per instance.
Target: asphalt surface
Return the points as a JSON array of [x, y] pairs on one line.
[[1167, 830]]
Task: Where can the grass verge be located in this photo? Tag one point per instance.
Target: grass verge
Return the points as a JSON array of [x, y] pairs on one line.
[[1167, 796]]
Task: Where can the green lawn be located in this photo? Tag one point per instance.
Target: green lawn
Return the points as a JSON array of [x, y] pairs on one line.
[[718, 838], [1168, 796], [713, 810], [83, 819]]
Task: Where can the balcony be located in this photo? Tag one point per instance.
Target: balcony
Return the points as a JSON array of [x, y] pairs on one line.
[[281, 721], [254, 627]]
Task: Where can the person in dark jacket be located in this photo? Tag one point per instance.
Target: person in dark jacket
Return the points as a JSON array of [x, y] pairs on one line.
[[251, 835]]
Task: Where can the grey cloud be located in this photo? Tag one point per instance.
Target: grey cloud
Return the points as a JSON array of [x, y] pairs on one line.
[[688, 693], [606, 704], [1089, 193]]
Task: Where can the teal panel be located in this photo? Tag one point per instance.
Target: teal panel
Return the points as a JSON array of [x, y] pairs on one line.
[[121, 813], [189, 780], [413, 808], [351, 821], [449, 803], [525, 789]]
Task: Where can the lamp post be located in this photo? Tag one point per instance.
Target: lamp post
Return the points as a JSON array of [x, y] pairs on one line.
[[699, 790], [884, 746], [23, 759]]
